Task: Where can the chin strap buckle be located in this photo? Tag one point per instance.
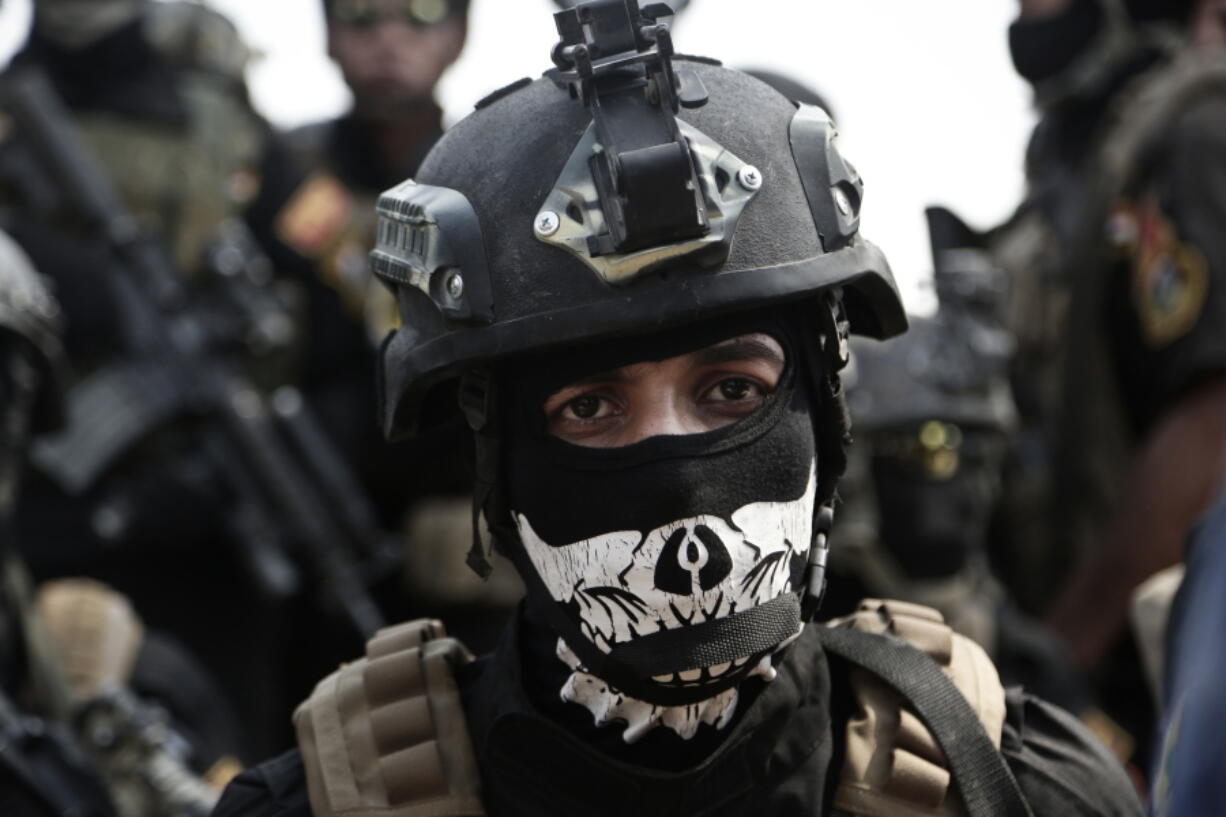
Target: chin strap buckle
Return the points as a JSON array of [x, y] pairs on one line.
[[819, 554]]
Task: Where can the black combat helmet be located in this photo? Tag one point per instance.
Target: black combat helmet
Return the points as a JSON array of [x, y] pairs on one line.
[[951, 367], [626, 191], [30, 321], [1082, 51], [677, 6]]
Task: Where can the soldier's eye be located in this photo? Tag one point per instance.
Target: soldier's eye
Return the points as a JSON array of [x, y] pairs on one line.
[[734, 389], [585, 407]]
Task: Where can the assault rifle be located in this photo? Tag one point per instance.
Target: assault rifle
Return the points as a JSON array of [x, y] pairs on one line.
[[142, 758], [287, 488]]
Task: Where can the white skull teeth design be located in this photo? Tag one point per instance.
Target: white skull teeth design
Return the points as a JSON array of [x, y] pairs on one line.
[[625, 585], [609, 706]]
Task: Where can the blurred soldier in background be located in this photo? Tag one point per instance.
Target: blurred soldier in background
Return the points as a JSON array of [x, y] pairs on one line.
[[1119, 263], [132, 491], [79, 734], [42, 770], [933, 416], [391, 54]]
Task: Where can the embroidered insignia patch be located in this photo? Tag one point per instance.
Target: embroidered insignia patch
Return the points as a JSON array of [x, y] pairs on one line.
[[315, 215], [1170, 281]]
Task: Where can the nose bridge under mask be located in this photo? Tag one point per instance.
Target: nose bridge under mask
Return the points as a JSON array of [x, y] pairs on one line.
[[572, 492]]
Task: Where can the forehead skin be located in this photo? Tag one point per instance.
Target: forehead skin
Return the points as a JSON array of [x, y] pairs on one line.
[[1208, 28], [755, 346], [392, 62]]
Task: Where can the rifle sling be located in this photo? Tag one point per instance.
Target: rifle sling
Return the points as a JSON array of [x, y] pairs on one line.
[[985, 782]]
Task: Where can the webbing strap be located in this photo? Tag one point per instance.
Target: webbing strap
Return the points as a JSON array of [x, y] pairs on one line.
[[757, 629], [986, 784]]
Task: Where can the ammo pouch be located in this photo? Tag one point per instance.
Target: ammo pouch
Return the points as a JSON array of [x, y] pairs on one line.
[[386, 736], [923, 718]]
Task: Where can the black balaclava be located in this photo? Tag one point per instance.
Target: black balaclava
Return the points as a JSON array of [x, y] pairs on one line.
[[1044, 48], [671, 567], [934, 524]]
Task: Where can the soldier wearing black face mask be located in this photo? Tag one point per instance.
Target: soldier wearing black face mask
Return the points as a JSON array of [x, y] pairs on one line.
[[637, 277], [934, 416]]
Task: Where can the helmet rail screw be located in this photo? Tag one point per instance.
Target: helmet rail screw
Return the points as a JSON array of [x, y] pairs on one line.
[[547, 223], [842, 202], [455, 285], [749, 177]]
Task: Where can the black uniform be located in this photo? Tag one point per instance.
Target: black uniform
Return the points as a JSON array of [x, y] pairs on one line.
[[1167, 300], [1120, 315], [342, 177], [540, 757], [1119, 269], [186, 152], [343, 173]]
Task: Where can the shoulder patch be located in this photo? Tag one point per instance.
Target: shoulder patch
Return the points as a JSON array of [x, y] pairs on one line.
[[315, 215], [1170, 279]]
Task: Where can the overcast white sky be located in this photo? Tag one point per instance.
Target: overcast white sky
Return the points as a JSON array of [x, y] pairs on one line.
[[928, 105]]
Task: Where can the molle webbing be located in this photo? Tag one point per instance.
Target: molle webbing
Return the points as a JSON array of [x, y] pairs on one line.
[[386, 735], [894, 766]]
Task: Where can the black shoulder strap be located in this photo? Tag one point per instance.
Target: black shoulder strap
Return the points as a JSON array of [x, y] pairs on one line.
[[985, 782]]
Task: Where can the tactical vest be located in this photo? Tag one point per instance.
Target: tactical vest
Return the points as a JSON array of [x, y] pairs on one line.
[[386, 735]]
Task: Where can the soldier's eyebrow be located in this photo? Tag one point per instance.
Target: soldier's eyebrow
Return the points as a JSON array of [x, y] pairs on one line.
[[739, 350]]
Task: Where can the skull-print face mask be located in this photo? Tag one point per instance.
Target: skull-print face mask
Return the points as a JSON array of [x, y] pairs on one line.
[[671, 568]]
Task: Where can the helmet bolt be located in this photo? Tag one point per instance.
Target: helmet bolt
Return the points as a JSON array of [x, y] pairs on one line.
[[749, 177], [842, 202], [547, 223], [455, 286]]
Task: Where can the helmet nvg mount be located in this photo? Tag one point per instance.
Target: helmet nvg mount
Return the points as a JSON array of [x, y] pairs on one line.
[[627, 190]]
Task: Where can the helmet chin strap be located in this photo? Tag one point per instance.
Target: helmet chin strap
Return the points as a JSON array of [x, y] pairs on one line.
[[832, 429], [476, 398], [819, 554]]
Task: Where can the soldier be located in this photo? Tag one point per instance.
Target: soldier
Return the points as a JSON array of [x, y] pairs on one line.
[[638, 275], [128, 492], [42, 771], [97, 717], [391, 54], [933, 416], [1122, 366], [1121, 372]]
